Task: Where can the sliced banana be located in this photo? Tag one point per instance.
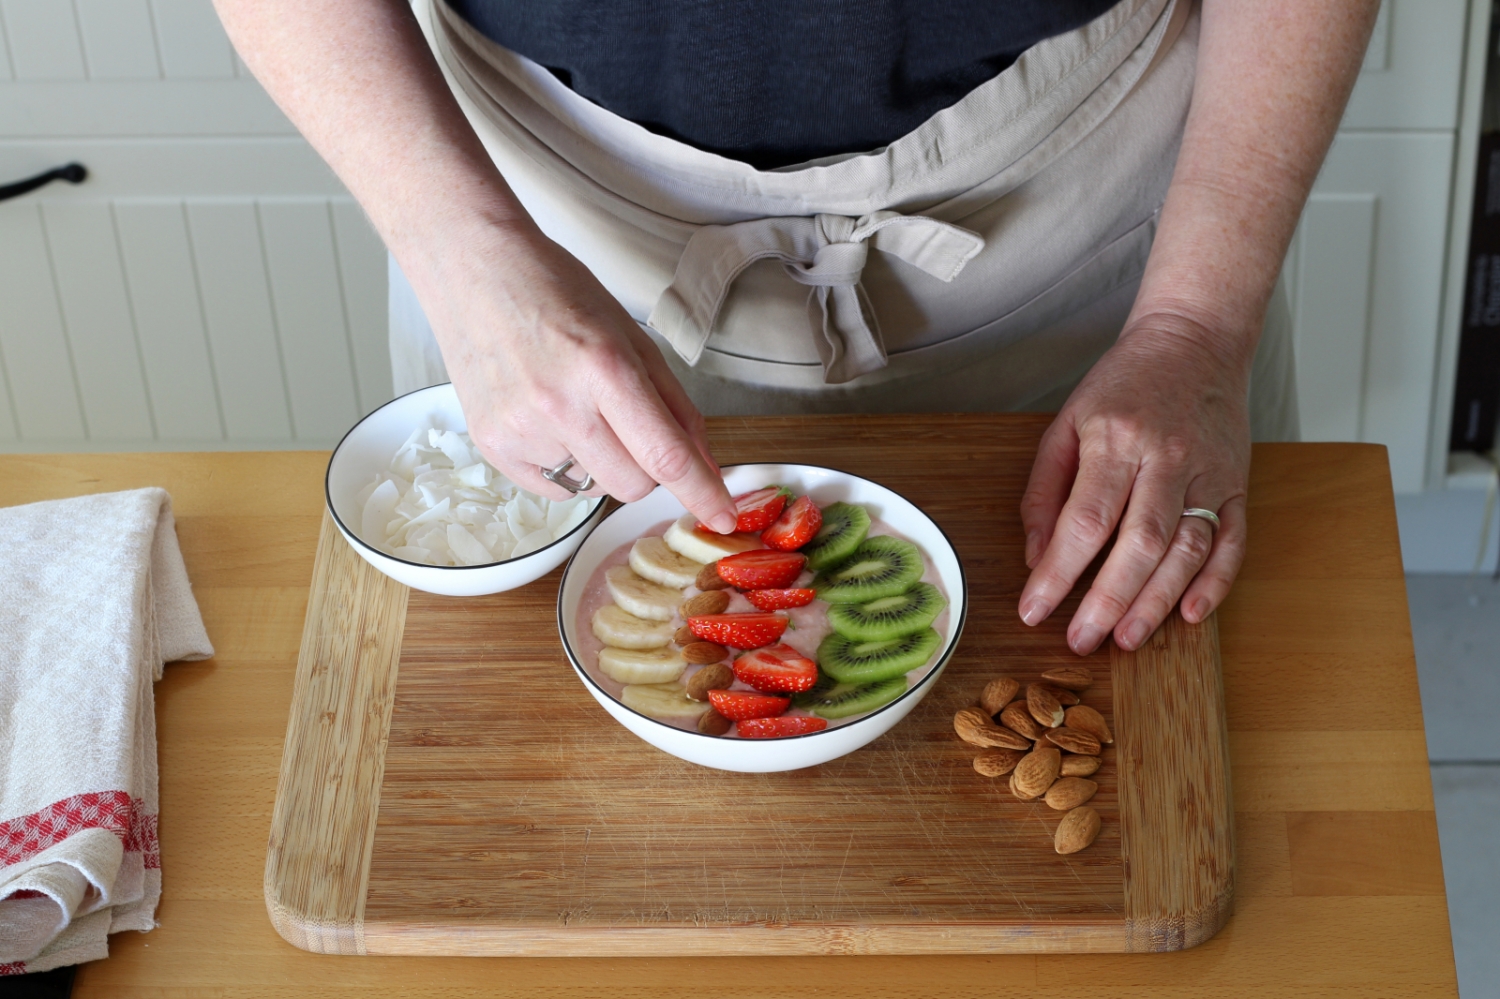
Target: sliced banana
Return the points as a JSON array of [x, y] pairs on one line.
[[641, 665], [621, 629], [653, 560], [662, 700], [685, 539], [642, 597]]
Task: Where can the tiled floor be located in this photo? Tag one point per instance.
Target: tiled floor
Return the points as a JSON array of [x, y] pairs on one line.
[[1456, 628]]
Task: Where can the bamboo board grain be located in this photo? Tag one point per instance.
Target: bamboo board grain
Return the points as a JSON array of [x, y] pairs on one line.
[[318, 858], [512, 816]]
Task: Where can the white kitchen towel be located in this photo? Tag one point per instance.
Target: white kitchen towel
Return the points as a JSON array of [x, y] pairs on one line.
[[94, 599]]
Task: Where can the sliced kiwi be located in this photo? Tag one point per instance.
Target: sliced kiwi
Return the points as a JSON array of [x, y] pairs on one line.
[[844, 528], [880, 567], [871, 662], [888, 617], [831, 699]]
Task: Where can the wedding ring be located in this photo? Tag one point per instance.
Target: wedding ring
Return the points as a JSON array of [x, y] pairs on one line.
[[1203, 514], [558, 476]]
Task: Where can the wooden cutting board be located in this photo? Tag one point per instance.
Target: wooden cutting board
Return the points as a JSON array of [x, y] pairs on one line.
[[448, 786]]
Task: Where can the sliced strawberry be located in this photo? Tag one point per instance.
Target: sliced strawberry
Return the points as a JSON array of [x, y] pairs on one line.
[[769, 600], [758, 510], [761, 569], [739, 705], [795, 527], [779, 669], [740, 631], [776, 728]]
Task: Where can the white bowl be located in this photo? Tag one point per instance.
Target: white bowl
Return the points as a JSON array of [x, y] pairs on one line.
[[824, 485], [367, 449]]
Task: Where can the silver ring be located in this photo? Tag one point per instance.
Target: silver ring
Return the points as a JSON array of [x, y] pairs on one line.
[[1202, 514], [558, 476]]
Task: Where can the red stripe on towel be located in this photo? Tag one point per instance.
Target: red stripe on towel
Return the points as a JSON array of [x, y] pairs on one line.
[[24, 837]]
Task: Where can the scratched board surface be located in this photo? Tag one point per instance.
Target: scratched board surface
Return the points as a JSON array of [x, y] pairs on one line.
[[511, 797], [514, 816]]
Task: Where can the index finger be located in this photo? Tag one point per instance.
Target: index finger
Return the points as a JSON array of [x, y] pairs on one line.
[[1052, 475], [673, 395], [1084, 526], [667, 453]]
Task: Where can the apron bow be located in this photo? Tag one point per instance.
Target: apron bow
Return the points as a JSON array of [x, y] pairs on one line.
[[825, 252]]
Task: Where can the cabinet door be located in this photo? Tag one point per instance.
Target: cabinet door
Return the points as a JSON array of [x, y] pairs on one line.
[[1413, 67], [211, 284], [203, 322], [1368, 271]]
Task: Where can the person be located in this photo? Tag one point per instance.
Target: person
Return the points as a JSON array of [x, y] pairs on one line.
[[1093, 218]]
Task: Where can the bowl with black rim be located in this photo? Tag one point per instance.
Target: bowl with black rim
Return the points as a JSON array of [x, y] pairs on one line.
[[368, 448], [606, 543]]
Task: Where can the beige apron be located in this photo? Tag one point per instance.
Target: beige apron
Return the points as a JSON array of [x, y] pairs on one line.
[[1010, 231]]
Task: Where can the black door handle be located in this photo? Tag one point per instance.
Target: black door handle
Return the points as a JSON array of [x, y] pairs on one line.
[[73, 173]]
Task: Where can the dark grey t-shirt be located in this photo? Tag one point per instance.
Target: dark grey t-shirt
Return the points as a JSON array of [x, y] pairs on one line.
[[776, 82]]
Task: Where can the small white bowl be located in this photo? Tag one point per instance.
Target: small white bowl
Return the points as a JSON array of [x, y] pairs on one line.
[[367, 449], [824, 485]]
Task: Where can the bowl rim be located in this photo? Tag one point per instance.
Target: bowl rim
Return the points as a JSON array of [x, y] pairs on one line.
[[354, 535], [937, 667]]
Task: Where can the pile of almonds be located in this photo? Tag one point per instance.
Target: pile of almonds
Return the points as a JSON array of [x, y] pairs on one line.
[[1046, 741]]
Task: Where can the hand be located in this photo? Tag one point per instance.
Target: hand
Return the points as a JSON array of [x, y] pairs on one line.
[[547, 364], [1159, 424]]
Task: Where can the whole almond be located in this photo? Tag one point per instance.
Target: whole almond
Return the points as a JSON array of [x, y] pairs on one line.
[[713, 723], [1043, 706], [1016, 790], [1064, 696], [708, 602], [702, 653], [715, 677], [998, 693], [1078, 829], [979, 729], [1036, 771], [1017, 717], [684, 636], [997, 762], [1070, 792], [1070, 739], [709, 578], [1079, 766], [1070, 677], [1086, 719]]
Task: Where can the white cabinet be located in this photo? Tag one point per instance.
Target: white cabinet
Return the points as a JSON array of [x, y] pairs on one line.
[[212, 285], [1413, 67], [1367, 266], [1368, 291]]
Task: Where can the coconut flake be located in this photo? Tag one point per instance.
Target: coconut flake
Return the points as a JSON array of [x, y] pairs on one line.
[[455, 449], [380, 507], [535, 541], [466, 547], [440, 503], [558, 513], [476, 475]]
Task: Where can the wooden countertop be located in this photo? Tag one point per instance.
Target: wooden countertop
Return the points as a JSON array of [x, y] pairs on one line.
[[1340, 888]]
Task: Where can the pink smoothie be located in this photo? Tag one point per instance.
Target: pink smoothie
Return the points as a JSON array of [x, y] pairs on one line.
[[807, 628]]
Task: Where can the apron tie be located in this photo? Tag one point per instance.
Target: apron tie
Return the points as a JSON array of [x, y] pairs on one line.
[[825, 252]]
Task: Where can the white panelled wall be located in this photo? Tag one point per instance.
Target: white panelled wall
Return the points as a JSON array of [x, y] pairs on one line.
[[1367, 267], [211, 285]]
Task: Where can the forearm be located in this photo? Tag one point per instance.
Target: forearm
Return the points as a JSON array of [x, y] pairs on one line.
[[357, 79], [1272, 81]]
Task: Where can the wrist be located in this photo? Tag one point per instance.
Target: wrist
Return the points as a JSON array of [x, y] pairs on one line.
[[465, 247], [1209, 342]]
